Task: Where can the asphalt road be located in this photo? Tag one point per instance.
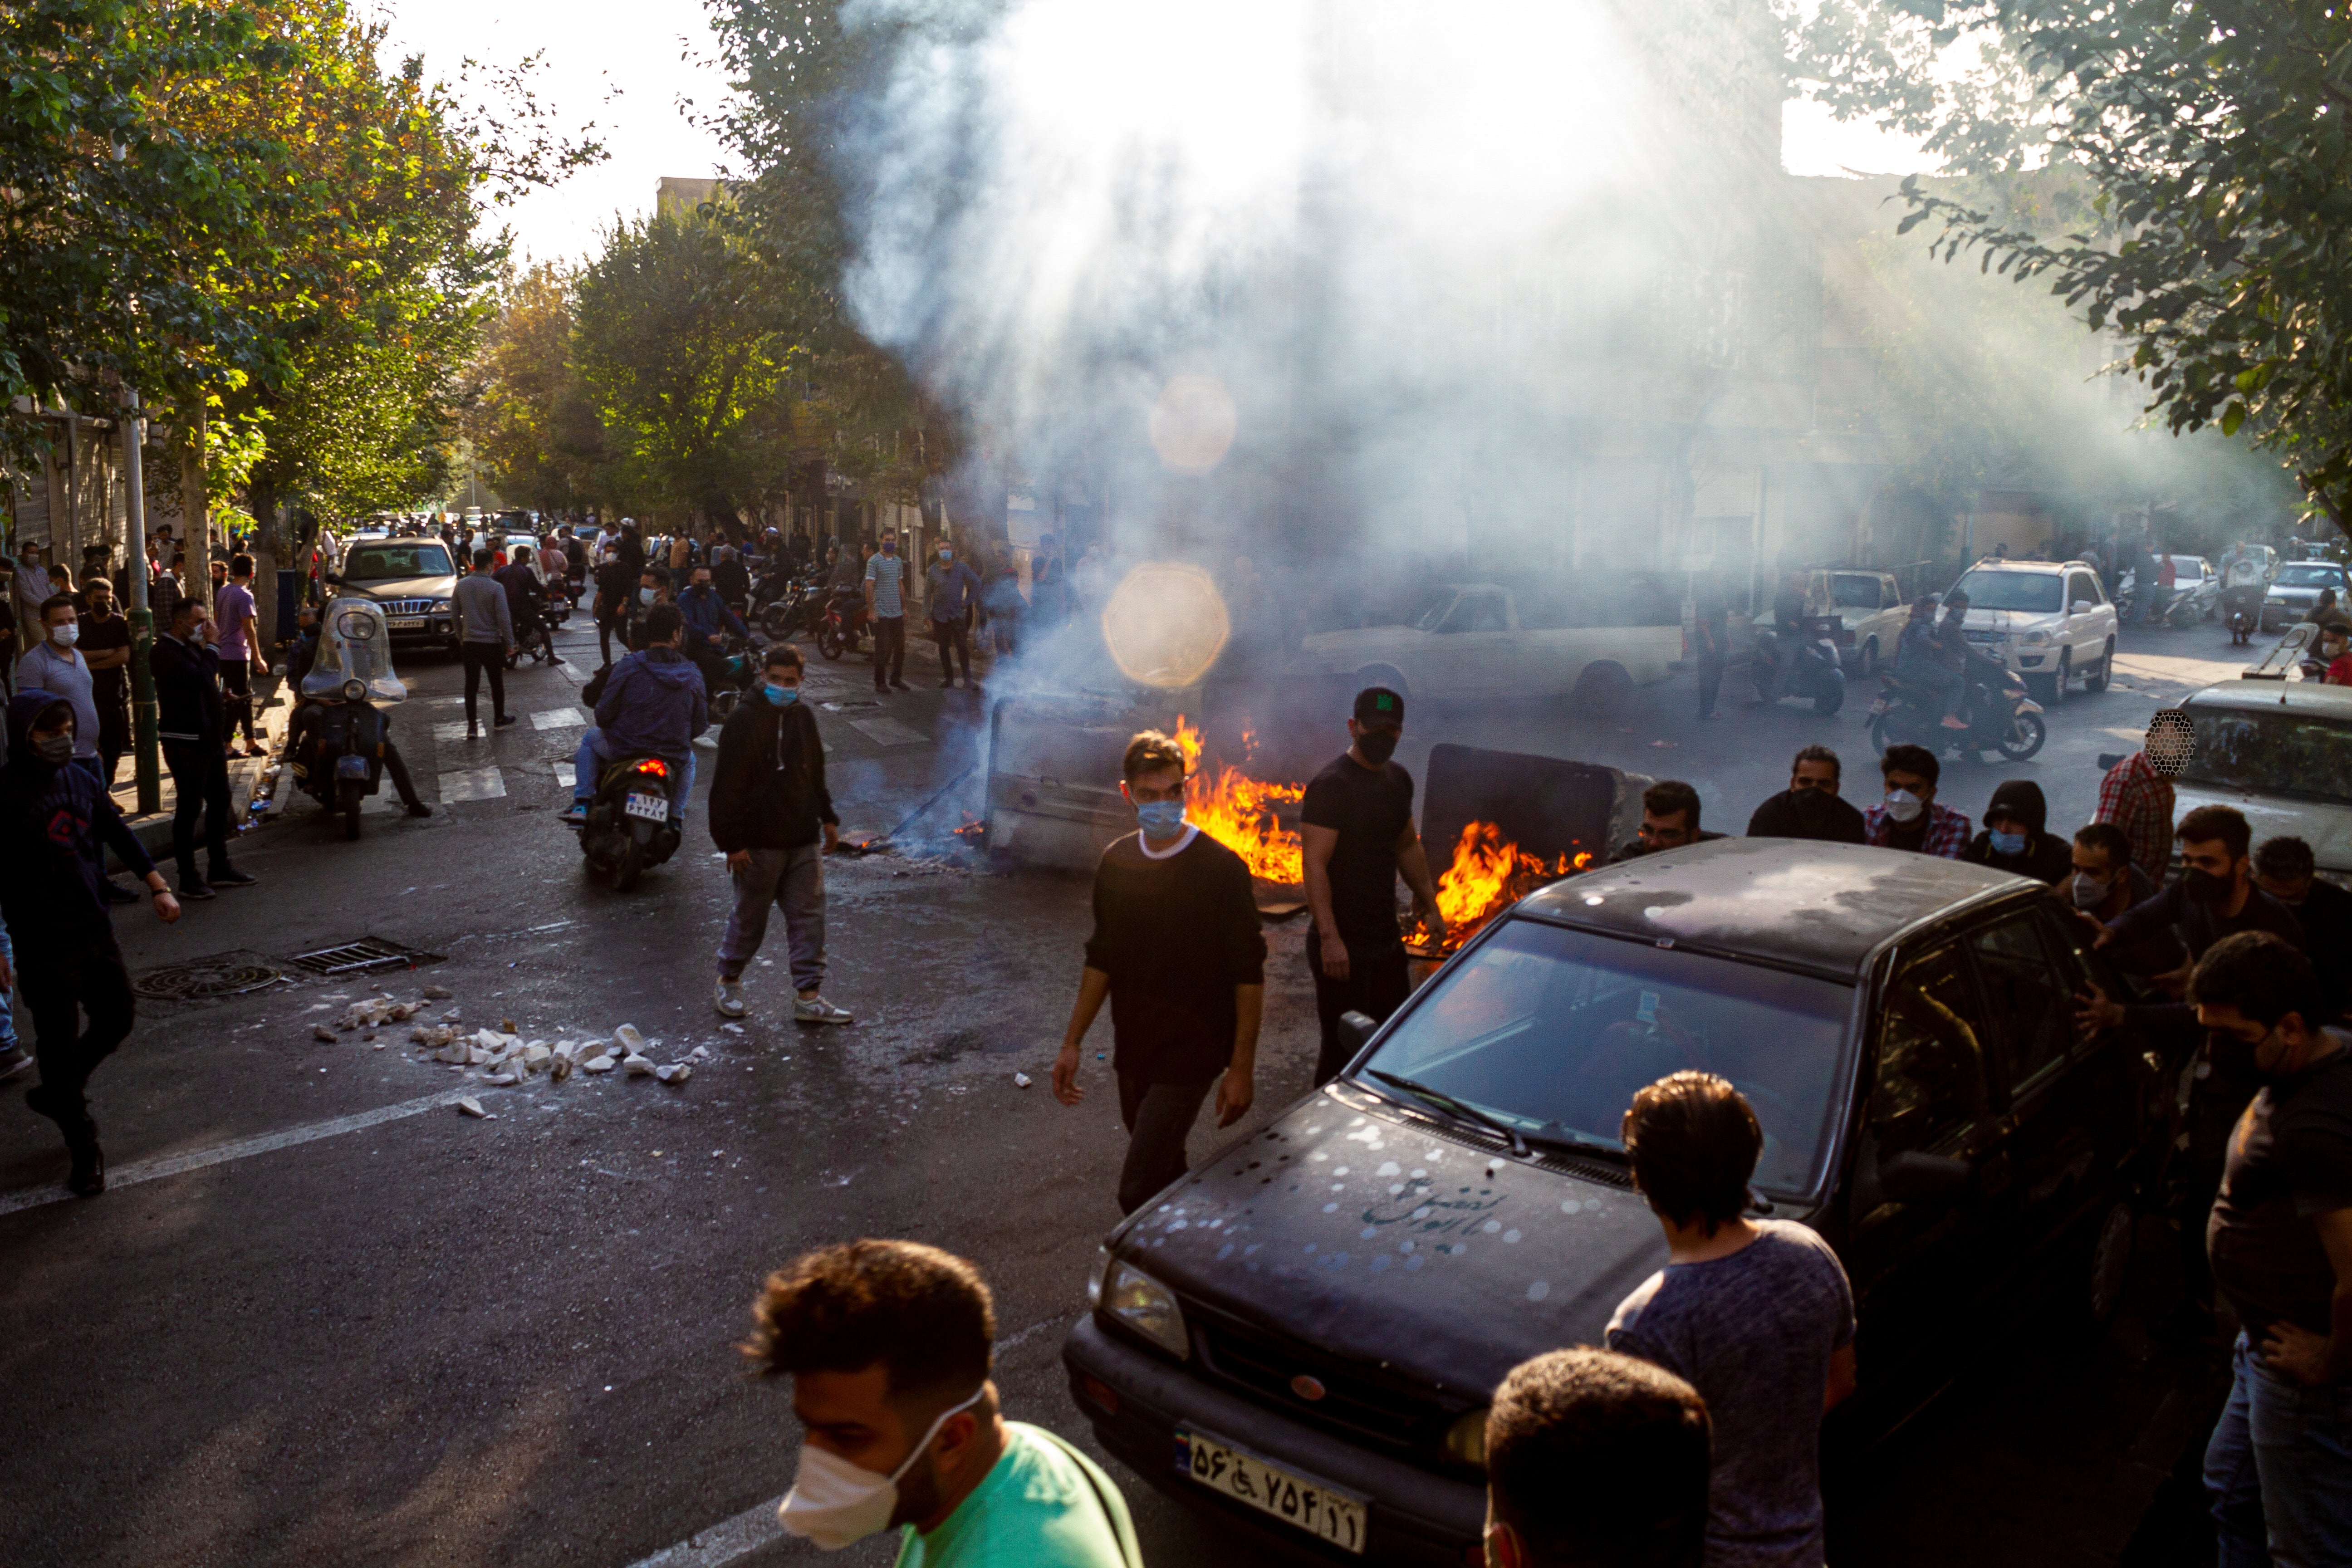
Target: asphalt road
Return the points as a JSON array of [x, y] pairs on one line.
[[315, 1321]]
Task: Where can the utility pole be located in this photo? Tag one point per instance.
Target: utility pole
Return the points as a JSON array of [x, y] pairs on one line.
[[143, 715]]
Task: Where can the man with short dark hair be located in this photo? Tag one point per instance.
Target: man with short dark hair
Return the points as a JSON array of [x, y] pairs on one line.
[[1810, 807], [189, 723], [2285, 868], [2105, 882], [241, 654], [954, 596], [1669, 812], [1357, 837], [652, 704], [1911, 817], [105, 645], [1178, 952], [486, 630], [886, 611], [708, 622], [2279, 1468], [889, 1345], [1595, 1460], [1756, 1315]]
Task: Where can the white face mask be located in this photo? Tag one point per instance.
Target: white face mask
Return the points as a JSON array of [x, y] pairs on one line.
[[835, 1503], [2089, 892], [1902, 806], [67, 635]]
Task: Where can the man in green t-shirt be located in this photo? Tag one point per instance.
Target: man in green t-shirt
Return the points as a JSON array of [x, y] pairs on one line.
[[888, 1345]]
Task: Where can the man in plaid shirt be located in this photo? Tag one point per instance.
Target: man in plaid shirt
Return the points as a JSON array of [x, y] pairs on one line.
[[2139, 800], [1910, 818]]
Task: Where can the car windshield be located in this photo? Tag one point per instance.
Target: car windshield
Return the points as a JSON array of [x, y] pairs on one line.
[[376, 561], [2310, 577], [1855, 593], [1551, 1031], [2035, 592], [1429, 610], [2274, 752]]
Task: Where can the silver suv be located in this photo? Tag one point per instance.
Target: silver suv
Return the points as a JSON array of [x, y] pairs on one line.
[[2048, 621]]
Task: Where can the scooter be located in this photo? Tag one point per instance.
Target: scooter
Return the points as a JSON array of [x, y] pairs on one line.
[[340, 760], [2001, 718], [841, 628], [2242, 607], [726, 678], [1805, 666], [628, 826]]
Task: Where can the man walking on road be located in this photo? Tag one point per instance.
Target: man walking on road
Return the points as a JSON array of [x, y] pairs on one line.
[[486, 630], [1356, 824], [2139, 800], [889, 1345], [240, 649], [886, 611], [955, 594], [53, 818], [1178, 950], [55, 666], [772, 817], [189, 723], [616, 595]]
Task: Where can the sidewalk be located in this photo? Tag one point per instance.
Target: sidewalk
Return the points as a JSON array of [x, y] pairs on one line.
[[272, 709]]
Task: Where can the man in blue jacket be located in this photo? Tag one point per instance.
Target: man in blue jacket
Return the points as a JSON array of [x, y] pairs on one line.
[[652, 704], [708, 620]]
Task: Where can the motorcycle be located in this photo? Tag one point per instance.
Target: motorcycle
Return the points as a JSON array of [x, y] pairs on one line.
[[843, 624], [728, 673], [2001, 718], [789, 607], [1805, 666], [338, 758], [2242, 607], [628, 826]]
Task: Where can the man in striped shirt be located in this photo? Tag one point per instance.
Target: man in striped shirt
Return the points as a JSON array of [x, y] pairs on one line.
[[886, 608]]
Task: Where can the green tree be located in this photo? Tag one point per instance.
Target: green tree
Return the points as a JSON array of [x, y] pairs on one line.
[[530, 421]]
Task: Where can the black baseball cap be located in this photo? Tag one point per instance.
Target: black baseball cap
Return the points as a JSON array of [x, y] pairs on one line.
[[1379, 705]]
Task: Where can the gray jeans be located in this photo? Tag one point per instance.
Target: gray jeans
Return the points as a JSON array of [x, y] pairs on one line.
[[793, 880], [1158, 1118]]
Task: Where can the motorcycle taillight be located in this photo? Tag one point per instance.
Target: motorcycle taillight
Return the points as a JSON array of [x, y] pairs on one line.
[[655, 766]]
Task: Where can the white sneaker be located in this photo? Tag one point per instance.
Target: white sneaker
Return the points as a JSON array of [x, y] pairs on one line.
[[817, 1010], [729, 998]]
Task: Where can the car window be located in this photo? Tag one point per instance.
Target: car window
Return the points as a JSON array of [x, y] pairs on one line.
[[2035, 593], [1479, 613], [2025, 999], [2079, 589], [2310, 577], [1931, 1077], [1552, 1031], [1853, 591], [374, 560], [2278, 751]]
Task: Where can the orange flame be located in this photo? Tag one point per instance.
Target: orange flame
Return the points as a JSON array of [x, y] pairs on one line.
[[1489, 874], [1238, 812]]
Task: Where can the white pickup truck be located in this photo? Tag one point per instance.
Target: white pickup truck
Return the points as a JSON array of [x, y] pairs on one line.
[[1480, 642]]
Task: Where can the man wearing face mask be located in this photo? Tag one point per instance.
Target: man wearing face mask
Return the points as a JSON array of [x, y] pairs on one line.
[[2335, 650], [1911, 817], [2104, 884], [1357, 834], [57, 666], [1809, 808], [769, 810], [1178, 952], [2279, 1467], [105, 645], [2286, 869], [617, 593], [954, 594], [2014, 839], [889, 1346]]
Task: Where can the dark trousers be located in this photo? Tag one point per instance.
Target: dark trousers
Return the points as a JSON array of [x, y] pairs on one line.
[[1710, 682], [480, 656], [1158, 1118], [237, 686], [200, 782], [59, 985], [1375, 987], [113, 730], [398, 768], [889, 650], [606, 624], [950, 635]]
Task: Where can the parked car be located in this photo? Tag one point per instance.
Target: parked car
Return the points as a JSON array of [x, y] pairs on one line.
[[413, 579], [1474, 641], [2281, 752], [1870, 608], [1301, 1335], [2294, 592], [2048, 621]]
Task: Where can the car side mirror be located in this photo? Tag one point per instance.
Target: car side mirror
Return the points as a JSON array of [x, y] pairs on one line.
[[1915, 1178], [1355, 1030], [2079, 608]]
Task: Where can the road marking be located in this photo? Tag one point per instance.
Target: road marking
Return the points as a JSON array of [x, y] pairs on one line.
[[565, 775], [559, 718], [889, 732], [130, 1175], [450, 728], [724, 1543], [475, 784]]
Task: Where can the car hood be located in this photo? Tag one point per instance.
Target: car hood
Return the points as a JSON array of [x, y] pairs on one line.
[[2006, 621], [2326, 828], [404, 587], [2285, 595], [1366, 1234]]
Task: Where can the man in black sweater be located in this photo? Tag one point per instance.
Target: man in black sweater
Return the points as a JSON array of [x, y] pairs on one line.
[[1177, 949], [1809, 808], [769, 810], [190, 722]]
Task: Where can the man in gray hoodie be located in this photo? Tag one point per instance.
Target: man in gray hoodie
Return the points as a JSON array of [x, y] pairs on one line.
[[651, 704], [486, 630]]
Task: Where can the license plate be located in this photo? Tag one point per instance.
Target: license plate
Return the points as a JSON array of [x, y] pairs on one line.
[[405, 623], [1879, 707], [1322, 1512], [654, 807], [351, 767]]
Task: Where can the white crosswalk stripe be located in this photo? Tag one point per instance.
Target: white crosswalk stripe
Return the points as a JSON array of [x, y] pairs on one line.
[[473, 784], [565, 775], [559, 718], [889, 732]]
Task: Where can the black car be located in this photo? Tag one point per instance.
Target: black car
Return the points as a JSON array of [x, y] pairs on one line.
[[1302, 1334]]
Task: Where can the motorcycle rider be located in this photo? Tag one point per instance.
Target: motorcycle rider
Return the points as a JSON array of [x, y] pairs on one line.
[[523, 589], [1978, 675], [652, 705], [708, 620], [1920, 662]]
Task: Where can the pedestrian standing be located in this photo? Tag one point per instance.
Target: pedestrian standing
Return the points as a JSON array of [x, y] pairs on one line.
[[1756, 1315], [955, 590], [1595, 1460], [1811, 807], [886, 608], [105, 645], [57, 667], [1005, 606], [30, 588], [1911, 817], [1357, 837], [1710, 640], [2139, 800], [486, 630], [616, 595], [54, 820], [1178, 950], [15, 1060], [772, 817], [240, 651], [2279, 1467], [889, 1345], [2015, 838], [1049, 586], [190, 721]]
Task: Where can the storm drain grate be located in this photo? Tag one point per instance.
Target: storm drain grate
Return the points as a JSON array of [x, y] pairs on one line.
[[222, 974], [358, 957]]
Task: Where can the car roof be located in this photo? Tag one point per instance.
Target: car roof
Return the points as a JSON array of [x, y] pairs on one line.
[[2247, 696], [1789, 902], [1991, 565]]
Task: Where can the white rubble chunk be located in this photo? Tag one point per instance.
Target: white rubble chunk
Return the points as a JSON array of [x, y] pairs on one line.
[[602, 1064], [450, 1017], [699, 1054], [471, 1106], [629, 1040], [732, 1029], [453, 1053], [1022, 1080], [637, 1066], [535, 1055], [593, 1051], [437, 993], [559, 1068], [321, 1032], [503, 1079], [400, 1012], [673, 1075]]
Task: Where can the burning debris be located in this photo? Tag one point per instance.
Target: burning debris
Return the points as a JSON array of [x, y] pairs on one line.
[[1488, 875], [1241, 813]]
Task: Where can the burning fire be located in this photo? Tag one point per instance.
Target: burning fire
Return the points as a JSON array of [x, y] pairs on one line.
[[1238, 812], [1488, 875], [973, 831]]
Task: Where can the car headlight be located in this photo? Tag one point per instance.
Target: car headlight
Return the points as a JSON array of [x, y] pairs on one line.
[[440, 606], [1466, 1440], [1145, 1305], [2036, 639]]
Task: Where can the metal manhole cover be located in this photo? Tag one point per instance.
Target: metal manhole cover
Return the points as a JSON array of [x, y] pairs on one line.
[[222, 974], [358, 957]]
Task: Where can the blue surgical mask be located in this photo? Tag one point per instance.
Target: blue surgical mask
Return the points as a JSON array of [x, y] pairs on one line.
[[780, 695], [645, 595], [1160, 818], [2005, 843], [946, 554]]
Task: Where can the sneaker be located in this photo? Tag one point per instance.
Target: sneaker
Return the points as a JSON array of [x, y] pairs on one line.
[[817, 1010], [420, 809], [14, 1061], [729, 998], [1955, 723], [87, 1178], [503, 720], [198, 890], [231, 878], [116, 893], [947, 686], [577, 816]]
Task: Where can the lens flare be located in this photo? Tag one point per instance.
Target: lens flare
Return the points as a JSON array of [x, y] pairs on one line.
[[1165, 625]]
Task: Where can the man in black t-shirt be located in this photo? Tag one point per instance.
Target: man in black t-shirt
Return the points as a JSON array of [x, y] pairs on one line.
[[105, 645], [2285, 868], [1355, 826], [2281, 1242], [1809, 808]]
